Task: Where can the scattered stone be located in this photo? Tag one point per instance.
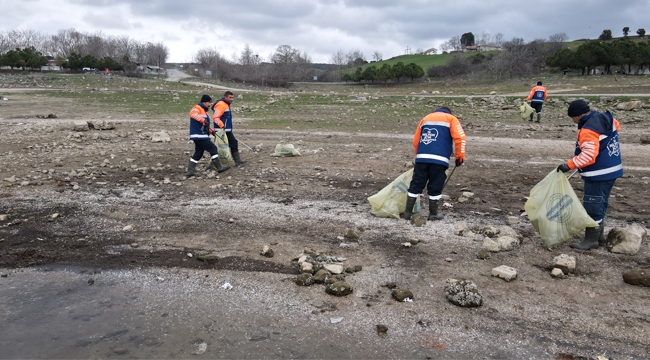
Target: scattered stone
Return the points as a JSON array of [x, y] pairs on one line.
[[127, 228], [414, 241], [406, 244], [135, 245], [335, 278], [626, 240], [321, 276], [4, 217], [463, 293], [391, 285], [507, 231], [208, 257], [200, 348], [91, 281], [491, 245], [339, 288], [460, 227], [565, 263], [467, 194], [100, 125], [483, 254], [418, 220], [351, 234], [557, 273], [401, 294], [336, 320], [382, 330], [637, 277], [504, 272], [507, 243], [333, 268], [54, 216], [267, 251], [490, 231], [306, 267], [4, 275], [358, 268], [79, 125], [449, 259], [512, 220], [305, 279], [160, 137], [645, 139]]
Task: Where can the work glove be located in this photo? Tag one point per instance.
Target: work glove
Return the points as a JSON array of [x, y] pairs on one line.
[[460, 162], [563, 168]]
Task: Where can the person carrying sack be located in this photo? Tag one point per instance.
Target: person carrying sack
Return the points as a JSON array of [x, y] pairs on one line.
[[435, 137], [200, 133], [536, 97], [222, 117], [598, 160]]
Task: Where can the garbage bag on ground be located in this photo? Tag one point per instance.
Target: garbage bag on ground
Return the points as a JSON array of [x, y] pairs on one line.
[[391, 200], [221, 140], [555, 211], [525, 111], [285, 150]]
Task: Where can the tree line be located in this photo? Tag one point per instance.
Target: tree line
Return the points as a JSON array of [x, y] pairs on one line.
[[385, 73], [92, 49], [623, 53]]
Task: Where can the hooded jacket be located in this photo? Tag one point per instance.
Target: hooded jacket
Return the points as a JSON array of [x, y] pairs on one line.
[[598, 151]]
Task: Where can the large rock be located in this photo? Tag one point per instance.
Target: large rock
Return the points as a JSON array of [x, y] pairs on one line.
[[79, 125], [637, 277], [160, 137], [321, 276], [305, 279], [565, 263], [334, 268], [630, 105], [507, 243], [339, 288], [463, 293], [504, 272], [401, 294], [101, 124], [491, 245], [507, 231], [626, 240]]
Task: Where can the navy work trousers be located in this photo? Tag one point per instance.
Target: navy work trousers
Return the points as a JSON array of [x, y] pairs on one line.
[[430, 175], [204, 145], [596, 198]]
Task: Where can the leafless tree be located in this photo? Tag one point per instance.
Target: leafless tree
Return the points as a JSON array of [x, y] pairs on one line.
[[483, 39], [558, 38], [497, 40], [354, 57], [377, 56]]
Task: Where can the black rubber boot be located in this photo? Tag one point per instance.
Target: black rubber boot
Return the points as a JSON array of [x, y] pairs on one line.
[[238, 160], [590, 241], [531, 116], [602, 241], [539, 117], [211, 166], [410, 202], [217, 164], [433, 211], [191, 168]]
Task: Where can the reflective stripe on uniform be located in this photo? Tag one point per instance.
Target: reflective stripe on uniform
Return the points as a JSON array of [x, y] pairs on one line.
[[437, 197], [436, 123], [199, 136], [603, 171], [433, 157]]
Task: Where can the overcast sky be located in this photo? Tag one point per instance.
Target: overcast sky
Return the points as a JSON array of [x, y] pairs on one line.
[[321, 27]]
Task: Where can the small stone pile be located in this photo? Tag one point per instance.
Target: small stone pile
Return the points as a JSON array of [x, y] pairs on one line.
[[316, 268]]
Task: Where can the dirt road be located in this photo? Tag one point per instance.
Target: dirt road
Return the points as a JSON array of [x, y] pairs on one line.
[[103, 231]]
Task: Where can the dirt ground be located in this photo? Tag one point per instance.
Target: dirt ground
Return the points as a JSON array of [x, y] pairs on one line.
[[68, 197]]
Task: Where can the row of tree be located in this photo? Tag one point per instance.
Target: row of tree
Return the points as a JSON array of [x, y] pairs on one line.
[[385, 73], [607, 33], [68, 41], [624, 53]]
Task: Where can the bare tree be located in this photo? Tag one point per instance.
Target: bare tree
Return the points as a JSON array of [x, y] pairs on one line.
[[354, 57], [497, 40], [5, 43], [558, 38], [377, 56], [483, 39]]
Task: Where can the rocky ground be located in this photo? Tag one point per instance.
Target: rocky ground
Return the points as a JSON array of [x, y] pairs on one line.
[[101, 235]]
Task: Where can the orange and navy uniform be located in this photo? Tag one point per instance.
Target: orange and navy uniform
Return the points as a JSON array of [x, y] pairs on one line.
[[537, 94], [199, 123], [222, 116], [434, 137], [598, 151]]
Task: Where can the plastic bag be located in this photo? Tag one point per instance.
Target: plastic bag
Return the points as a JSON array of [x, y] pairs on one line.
[[555, 211], [391, 200], [285, 150], [221, 140], [525, 111]]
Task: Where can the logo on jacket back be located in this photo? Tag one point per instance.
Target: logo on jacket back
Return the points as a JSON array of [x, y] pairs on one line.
[[614, 147], [429, 136]]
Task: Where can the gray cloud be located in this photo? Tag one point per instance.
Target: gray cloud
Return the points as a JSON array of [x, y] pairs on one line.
[[320, 27]]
